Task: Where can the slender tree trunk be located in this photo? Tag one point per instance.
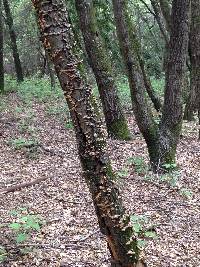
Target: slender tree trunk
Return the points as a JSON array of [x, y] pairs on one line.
[[166, 11], [142, 111], [50, 71], [161, 141], [1, 50], [58, 41], [100, 62], [195, 56], [147, 83], [9, 21]]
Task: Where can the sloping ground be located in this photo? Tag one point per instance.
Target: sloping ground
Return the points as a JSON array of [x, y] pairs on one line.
[[70, 235]]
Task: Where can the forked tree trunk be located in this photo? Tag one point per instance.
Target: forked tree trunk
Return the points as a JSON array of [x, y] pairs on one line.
[[58, 41], [9, 21], [100, 63], [161, 141], [1, 51]]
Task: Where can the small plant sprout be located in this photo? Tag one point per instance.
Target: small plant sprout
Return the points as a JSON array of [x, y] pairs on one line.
[[186, 192], [138, 223], [138, 163]]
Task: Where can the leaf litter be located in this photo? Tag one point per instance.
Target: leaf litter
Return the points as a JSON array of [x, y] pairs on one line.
[[70, 234]]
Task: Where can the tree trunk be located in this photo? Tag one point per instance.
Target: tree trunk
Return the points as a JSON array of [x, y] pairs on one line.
[[136, 46], [9, 21], [142, 111], [195, 55], [166, 11], [58, 41], [161, 141], [171, 122], [50, 71], [100, 62], [1, 50]]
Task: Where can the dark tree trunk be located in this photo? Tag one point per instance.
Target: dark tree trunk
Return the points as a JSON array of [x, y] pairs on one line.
[[50, 71], [58, 40], [161, 141], [9, 21], [1, 51], [101, 66], [194, 99], [141, 108], [171, 121], [137, 50]]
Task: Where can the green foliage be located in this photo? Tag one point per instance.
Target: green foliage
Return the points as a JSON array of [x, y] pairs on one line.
[[122, 173], [138, 223], [170, 166], [3, 254], [138, 163], [20, 143], [69, 125], [22, 226], [186, 192], [39, 89]]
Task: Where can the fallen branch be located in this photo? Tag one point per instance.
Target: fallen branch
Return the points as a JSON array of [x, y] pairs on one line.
[[21, 186]]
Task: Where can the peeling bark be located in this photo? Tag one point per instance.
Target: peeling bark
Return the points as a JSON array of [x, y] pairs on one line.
[[58, 41]]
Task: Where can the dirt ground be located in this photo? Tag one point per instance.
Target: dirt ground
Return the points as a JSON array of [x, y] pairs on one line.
[[70, 235]]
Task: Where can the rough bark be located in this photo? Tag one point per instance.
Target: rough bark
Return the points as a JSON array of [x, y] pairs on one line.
[[9, 21], [194, 96], [58, 41], [1, 51], [171, 121], [162, 141], [141, 108], [158, 17], [166, 11], [136, 45], [100, 63]]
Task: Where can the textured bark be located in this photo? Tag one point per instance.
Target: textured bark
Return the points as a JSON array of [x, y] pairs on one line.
[[194, 96], [1, 51], [9, 21], [158, 17], [141, 108], [101, 66], [171, 121], [58, 41], [166, 11], [162, 141], [136, 46]]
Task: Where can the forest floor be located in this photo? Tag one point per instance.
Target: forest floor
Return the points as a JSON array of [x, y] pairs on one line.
[[36, 143]]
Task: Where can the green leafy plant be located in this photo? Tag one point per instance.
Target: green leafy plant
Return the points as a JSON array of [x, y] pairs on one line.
[[170, 166], [3, 254], [138, 223], [138, 163], [20, 143], [122, 173], [186, 192], [23, 225], [69, 125]]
